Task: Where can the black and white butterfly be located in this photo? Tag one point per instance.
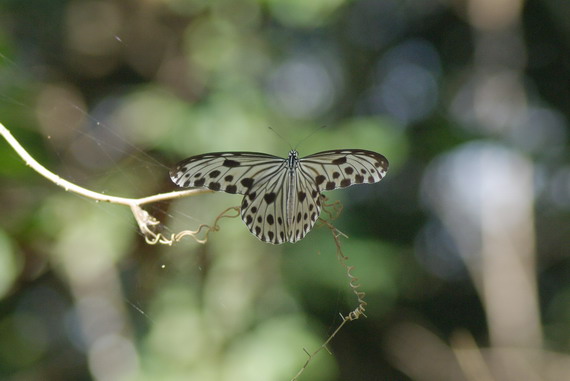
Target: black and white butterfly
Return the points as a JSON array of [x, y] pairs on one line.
[[282, 196]]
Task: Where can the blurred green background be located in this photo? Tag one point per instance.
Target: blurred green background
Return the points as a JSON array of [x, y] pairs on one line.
[[462, 250]]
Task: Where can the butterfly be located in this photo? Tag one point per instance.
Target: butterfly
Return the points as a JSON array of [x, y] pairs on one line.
[[282, 197]]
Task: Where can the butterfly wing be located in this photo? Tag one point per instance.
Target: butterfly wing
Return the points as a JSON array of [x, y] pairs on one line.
[[259, 177], [342, 168], [263, 209], [307, 208], [231, 172]]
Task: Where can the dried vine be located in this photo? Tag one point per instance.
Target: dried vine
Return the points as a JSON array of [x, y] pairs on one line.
[[353, 283]]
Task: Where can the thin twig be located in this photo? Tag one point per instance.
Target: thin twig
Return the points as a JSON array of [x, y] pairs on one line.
[[323, 346], [145, 221], [353, 283], [68, 186]]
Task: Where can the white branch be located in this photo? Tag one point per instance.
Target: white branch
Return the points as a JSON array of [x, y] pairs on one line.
[[68, 186], [145, 221]]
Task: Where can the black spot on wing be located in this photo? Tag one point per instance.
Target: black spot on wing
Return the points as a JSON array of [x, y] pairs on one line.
[[247, 182], [359, 179], [270, 219], [330, 185], [349, 170], [302, 196], [340, 160], [345, 182], [214, 173], [228, 178], [231, 189], [319, 179], [230, 163], [214, 186], [200, 182], [270, 197]]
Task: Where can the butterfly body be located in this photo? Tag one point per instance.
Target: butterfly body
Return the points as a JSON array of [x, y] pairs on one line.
[[292, 164], [282, 197]]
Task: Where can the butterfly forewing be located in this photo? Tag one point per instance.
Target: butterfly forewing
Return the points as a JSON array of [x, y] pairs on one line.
[[282, 197], [231, 172], [342, 168]]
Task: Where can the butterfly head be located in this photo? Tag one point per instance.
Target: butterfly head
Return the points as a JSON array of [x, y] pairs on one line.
[[293, 159]]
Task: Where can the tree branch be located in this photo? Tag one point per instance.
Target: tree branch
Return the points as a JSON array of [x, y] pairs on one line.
[[145, 221]]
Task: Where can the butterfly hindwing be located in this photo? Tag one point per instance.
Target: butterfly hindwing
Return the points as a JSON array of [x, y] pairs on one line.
[[231, 172], [307, 207], [263, 209], [342, 168]]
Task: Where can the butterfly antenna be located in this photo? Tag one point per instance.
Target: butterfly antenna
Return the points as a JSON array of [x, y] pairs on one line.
[[282, 138], [310, 134]]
